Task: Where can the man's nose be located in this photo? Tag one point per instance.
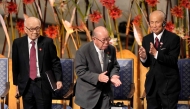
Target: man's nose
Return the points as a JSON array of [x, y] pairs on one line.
[[35, 31]]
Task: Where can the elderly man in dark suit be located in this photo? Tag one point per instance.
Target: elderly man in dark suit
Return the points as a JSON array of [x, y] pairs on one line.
[[32, 56], [160, 51], [96, 67]]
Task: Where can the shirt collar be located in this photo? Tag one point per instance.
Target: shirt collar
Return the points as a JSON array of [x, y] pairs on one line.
[[29, 40], [158, 36], [97, 49]]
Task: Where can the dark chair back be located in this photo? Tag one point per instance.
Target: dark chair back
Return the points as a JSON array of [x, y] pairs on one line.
[[66, 93], [184, 70], [4, 82], [126, 90]]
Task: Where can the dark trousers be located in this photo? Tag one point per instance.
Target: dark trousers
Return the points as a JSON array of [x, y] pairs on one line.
[[36, 97], [157, 100], [103, 102]]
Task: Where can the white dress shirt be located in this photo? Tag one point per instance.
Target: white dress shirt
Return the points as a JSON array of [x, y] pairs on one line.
[[100, 56]]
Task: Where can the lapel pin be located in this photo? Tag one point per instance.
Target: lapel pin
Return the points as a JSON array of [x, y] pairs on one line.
[[108, 54], [161, 43], [40, 49]]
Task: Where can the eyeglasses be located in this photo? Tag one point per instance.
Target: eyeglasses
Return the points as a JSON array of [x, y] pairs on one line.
[[104, 40], [33, 29]]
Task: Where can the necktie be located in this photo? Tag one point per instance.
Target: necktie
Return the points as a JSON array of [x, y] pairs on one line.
[[100, 53], [156, 44], [33, 69]]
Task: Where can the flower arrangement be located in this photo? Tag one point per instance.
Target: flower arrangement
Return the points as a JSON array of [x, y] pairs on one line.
[[107, 12]]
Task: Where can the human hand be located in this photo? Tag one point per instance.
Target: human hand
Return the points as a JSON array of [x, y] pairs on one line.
[[142, 52], [59, 84], [115, 80], [103, 77], [152, 49]]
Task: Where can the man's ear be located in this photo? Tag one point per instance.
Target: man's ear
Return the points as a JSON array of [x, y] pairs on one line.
[[93, 37], [25, 30], [25, 16]]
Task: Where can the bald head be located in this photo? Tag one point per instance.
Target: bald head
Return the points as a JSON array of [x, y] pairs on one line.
[[158, 13], [32, 20], [100, 30]]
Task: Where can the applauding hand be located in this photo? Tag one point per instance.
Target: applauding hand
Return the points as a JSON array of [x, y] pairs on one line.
[[115, 80], [103, 77]]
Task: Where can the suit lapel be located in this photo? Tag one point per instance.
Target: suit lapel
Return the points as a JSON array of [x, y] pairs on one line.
[[152, 39], [164, 38], [25, 53], [40, 52], [94, 56], [106, 60]]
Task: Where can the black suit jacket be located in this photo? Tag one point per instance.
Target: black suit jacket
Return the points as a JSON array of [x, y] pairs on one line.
[[87, 66], [47, 60], [164, 69]]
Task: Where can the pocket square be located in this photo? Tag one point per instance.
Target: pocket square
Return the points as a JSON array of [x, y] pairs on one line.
[[109, 61], [162, 48]]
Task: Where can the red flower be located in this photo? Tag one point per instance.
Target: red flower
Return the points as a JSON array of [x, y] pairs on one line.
[[28, 1], [137, 20], [51, 31], [108, 3], [184, 3], [169, 26], [95, 16], [20, 26], [152, 2], [11, 7], [177, 11], [115, 12]]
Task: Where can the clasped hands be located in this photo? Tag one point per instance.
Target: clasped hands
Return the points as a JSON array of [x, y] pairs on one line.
[[114, 79], [142, 51]]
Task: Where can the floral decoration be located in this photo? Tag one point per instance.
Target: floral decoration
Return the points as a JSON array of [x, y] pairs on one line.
[[95, 16], [113, 41], [115, 12], [20, 26], [11, 7], [62, 6], [177, 11], [51, 31], [28, 1], [108, 3], [169, 26], [152, 2], [185, 3], [137, 20]]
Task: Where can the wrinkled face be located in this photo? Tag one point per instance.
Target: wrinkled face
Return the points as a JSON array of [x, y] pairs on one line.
[[156, 22], [32, 29], [101, 40]]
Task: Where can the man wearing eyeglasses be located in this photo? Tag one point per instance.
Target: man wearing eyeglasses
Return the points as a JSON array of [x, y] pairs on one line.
[[97, 68], [32, 56]]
